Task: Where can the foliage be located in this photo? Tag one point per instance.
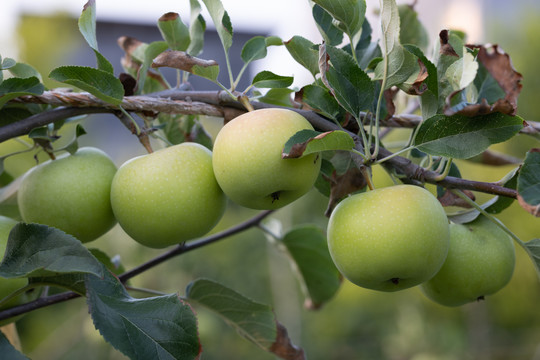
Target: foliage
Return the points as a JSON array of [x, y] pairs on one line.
[[464, 101]]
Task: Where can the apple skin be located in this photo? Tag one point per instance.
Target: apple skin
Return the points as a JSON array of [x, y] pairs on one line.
[[389, 239], [248, 164], [168, 196], [70, 193], [480, 262]]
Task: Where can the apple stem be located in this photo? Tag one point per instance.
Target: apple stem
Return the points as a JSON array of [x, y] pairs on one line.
[[367, 176], [245, 101], [446, 171]]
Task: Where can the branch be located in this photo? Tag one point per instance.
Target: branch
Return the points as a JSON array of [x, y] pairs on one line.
[[177, 250], [221, 104]]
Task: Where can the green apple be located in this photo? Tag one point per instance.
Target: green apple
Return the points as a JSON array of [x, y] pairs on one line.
[[70, 193], [389, 239], [480, 262], [248, 164], [169, 196]]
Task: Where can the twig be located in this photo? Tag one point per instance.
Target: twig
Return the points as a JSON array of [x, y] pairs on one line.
[[178, 250]]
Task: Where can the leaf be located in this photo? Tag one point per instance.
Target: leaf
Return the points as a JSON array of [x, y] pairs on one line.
[[351, 86], [411, 30], [462, 72], [151, 51], [99, 83], [325, 23], [303, 52], [532, 248], [39, 250], [182, 61], [254, 49], [7, 63], [350, 14], [267, 79], [22, 70], [254, 321], [308, 248], [15, 87], [463, 137], [278, 96], [73, 282], [162, 327], [401, 66], [197, 27], [87, 27], [8, 351], [320, 100], [306, 142], [174, 31], [222, 22], [528, 183]]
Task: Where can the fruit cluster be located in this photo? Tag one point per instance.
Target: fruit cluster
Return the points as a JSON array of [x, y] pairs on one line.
[[387, 239]]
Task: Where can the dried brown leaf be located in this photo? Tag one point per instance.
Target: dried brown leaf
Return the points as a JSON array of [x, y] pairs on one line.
[[446, 48], [180, 60], [451, 199], [284, 348], [418, 87], [532, 209], [343, 185], [170, 16]]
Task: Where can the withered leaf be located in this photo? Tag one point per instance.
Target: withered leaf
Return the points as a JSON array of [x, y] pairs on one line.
[[180, 60], [342, 185], [298, 149], [284, 348], [532, 209], [451, 199], [446, 48]]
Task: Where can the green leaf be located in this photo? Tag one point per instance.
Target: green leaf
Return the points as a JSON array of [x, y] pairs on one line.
[[99, 83], [39, 250], [278, 96], [10, 114], [303, 52], [462, 72], [401, 66], [463, 137], [321, 101], [325, 23], [528, 182], [87, 27], [254, 49], [8, 351], [208, 72], [350, 14], [309, 250], [22, 70], [151, 51], [352, 87], [411, 29], [254, 321], [7, 63], [162, 327], [222, 22], [503, 202], [267, 79], [15, 87], [197, 27], [73, 282], [174, 31], [306, 142]]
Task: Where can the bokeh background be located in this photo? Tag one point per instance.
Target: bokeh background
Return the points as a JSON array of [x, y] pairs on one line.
[[357, 323]]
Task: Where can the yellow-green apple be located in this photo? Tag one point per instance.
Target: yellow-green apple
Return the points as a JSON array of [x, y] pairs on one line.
[[389, 239], [71, 193], [168, 196], [248, 164], [480, 262]]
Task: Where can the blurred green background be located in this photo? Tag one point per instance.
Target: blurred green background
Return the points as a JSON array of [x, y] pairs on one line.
[[357, 323]]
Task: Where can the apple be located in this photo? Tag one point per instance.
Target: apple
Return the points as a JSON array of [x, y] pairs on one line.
[[168, 196], [70, 193], [480, 262], [248, 164], [390, 238]]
